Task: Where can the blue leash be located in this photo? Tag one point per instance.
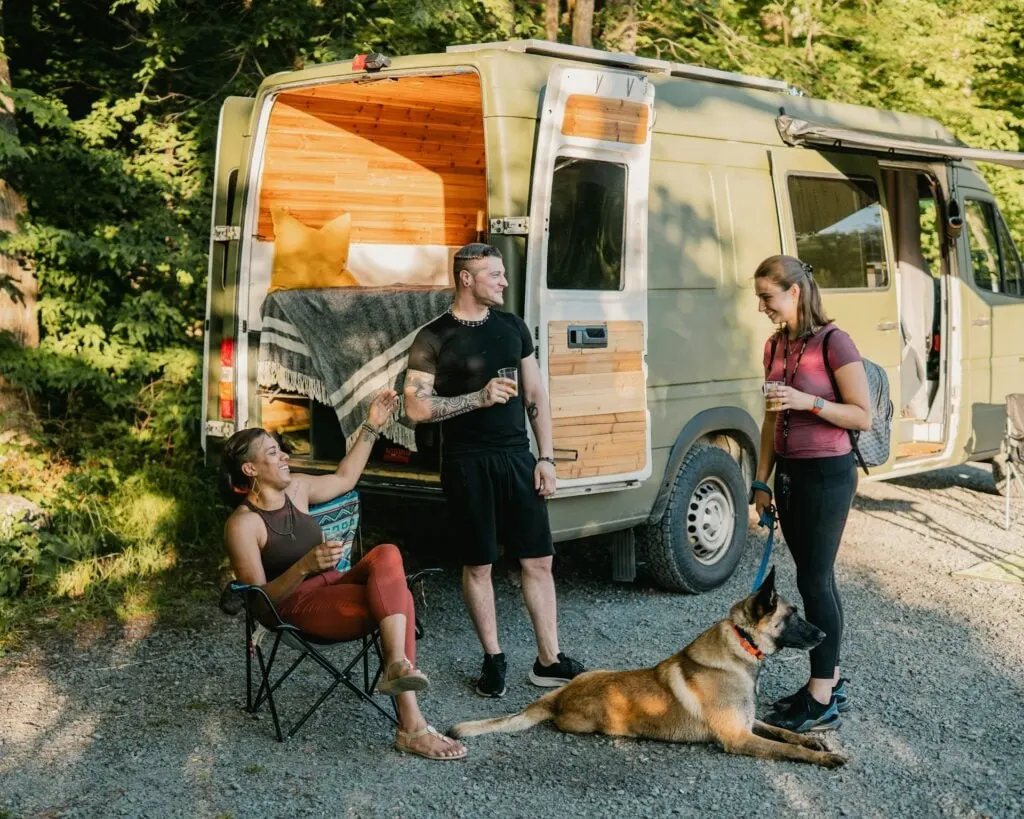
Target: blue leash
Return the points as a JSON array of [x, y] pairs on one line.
[[767, 519]]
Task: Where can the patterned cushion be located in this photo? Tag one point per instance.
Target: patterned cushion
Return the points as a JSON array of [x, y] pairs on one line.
[[339, 518]]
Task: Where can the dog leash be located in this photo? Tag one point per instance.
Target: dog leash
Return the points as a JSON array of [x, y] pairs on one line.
[[767, 519]]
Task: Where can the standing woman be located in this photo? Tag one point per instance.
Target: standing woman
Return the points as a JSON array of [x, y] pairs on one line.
[[805, 439]]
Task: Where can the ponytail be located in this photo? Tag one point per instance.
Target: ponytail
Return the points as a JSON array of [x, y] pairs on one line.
[[234, 484]]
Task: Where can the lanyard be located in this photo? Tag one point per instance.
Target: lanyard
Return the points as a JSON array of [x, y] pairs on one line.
[[788, 379]]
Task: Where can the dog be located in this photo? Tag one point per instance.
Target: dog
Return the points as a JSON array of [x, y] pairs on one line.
[[704, 693]]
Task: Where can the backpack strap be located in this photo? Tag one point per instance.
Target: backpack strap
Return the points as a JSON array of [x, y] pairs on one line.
[[839, 396]]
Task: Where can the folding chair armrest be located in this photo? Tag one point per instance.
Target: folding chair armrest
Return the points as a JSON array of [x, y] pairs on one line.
[[251, 593], [412, 578]]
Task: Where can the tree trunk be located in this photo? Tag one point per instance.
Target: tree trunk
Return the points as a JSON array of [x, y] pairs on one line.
[[551, 9], [16, 317], [583, 23], [621, 34]]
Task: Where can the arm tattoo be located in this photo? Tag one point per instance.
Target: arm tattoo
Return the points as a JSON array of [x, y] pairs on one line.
[[532, 411], [441, 407]]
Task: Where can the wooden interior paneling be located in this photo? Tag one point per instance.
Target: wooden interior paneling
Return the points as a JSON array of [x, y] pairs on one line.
[[404, 156], [611, 120], [598, 402]]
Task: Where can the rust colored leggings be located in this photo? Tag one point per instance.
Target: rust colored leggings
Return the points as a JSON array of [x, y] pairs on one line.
[[347, 606]]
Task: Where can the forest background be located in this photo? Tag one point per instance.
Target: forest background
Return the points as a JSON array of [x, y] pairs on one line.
[[107, 132]]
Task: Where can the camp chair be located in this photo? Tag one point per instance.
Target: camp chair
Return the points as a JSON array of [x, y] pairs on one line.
[[340, 520], [1013, 447]]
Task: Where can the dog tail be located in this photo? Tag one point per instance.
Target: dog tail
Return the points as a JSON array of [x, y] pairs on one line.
[[540, 711]]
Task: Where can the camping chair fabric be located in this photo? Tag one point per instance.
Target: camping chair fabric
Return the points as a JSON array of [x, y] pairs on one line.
[[263, 624], [1013, 446]]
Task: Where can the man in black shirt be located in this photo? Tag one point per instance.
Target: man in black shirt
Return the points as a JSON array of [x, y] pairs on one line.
[[491, 480]]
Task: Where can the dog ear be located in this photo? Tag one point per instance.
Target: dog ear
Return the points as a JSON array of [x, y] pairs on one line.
[[766, 598]]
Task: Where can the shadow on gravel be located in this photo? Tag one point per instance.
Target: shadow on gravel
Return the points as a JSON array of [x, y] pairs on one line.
[[154, 726]]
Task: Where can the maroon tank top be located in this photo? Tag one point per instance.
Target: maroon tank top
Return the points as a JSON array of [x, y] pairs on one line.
[[290, 534]]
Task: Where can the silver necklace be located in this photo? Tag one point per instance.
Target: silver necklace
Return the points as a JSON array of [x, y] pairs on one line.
[[467, 322]]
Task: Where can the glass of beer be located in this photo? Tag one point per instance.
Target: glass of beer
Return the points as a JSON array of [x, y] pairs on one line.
[[771, 404], [512, 374]]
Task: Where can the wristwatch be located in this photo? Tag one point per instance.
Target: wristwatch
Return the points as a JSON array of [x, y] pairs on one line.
[[819, 405]]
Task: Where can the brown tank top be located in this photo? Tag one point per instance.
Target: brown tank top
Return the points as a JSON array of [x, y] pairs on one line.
[[290, 534]]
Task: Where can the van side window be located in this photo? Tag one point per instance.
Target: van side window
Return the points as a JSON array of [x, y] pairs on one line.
[[983, 244], [586, 224], [1012, 278], [838, 226]]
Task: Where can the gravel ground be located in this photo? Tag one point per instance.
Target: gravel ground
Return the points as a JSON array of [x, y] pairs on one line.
[[147, 721]]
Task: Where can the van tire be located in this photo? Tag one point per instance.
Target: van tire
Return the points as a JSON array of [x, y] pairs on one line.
[[680, 552]]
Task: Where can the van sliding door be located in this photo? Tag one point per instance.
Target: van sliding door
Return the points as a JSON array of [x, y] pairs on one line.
[[587, 272], [833, 215]]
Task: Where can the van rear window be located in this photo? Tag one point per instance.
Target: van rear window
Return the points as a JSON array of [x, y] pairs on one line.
[[838, 226], [587, 223]]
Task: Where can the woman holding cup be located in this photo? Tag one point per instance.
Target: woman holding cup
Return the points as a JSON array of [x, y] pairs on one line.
[[805, 439], [273, 542]]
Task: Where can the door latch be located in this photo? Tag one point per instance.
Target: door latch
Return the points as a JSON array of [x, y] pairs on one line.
[[587, 336]]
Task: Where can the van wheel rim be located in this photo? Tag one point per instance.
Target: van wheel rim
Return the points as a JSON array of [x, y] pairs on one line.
[[710, 521]]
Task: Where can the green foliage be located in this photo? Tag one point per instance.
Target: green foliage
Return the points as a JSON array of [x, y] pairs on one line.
[[116, 104]]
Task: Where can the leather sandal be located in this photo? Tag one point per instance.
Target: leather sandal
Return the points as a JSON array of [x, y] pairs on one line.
[[404, 740], [402, 676]]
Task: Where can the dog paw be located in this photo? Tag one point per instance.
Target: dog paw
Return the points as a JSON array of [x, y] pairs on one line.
[[833, 761], [816, 744]]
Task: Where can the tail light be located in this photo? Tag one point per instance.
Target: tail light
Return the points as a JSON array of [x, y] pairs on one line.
[[227, 379]]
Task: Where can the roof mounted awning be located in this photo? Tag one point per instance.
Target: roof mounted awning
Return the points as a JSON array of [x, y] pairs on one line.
[[801, 132]]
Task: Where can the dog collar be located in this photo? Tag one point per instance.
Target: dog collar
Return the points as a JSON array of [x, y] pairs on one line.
[[747, 642]]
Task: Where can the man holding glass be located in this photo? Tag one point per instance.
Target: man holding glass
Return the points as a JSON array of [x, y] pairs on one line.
[[473, 370]]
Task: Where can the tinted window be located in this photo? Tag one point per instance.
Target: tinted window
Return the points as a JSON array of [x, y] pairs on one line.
[[588, 213], [1011, 260], [984, 247], [838, 225]]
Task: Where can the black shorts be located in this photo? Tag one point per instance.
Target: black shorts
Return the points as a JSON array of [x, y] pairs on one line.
[[491, 499]]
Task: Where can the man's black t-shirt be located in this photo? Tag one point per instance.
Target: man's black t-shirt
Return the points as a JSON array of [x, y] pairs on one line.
[[463, 358]]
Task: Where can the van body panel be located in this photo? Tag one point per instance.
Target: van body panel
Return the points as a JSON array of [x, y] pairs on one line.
[[715, 203]]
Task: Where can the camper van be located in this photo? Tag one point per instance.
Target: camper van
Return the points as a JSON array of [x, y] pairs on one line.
[[631, 199]]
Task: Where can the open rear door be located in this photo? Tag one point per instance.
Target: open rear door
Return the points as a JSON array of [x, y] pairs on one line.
[[218, 416], [587, 272]]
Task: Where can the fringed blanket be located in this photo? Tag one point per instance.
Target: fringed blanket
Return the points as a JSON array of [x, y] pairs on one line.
[[342, 346]]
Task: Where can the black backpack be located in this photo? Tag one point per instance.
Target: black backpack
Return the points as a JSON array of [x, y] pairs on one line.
[[871, 446]]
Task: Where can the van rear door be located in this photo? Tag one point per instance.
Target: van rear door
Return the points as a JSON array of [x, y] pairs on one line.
[[586, 272], [832, 214], [218, 419]]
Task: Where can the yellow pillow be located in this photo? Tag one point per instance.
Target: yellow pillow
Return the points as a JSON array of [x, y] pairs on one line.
[[306, 258]]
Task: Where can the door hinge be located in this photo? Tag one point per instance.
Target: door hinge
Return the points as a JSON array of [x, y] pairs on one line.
[[220, 429], [226, 233], [511, 225]]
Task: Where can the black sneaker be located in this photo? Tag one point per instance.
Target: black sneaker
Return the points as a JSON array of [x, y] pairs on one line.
[[806, 714], [556, 674], [839, 694], [492, 676]]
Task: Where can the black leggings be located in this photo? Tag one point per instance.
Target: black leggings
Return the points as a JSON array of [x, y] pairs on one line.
[[813, 517]]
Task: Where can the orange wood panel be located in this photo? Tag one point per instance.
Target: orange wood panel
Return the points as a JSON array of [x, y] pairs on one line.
[[405, 157], [607, 119]]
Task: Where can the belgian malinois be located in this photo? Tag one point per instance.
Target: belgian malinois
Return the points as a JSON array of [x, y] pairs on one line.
[[703, 693]]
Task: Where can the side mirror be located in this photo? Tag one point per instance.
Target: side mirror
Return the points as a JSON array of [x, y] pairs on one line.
[[954, 220]]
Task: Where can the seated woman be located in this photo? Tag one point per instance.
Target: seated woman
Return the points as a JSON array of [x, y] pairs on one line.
[[273, 542]]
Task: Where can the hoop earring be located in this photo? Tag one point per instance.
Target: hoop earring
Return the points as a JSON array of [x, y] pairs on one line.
[[254, 487]]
